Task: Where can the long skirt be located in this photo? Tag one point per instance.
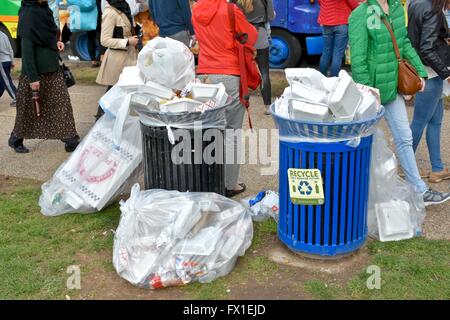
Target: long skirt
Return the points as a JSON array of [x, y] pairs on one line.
[[56, 120]]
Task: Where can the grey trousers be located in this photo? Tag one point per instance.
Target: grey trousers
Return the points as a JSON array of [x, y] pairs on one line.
[[182, 36], [234, 114]]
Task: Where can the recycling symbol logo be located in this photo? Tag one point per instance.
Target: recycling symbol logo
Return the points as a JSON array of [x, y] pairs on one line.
[[305, 188]]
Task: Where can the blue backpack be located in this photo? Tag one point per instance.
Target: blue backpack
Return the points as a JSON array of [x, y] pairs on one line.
[[83, 5]]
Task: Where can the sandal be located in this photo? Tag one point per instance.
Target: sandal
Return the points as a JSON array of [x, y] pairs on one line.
[[232, 193]]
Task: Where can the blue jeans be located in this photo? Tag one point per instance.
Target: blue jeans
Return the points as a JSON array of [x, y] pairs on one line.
[[397, 120], [335, 39], [6, 82], [428, 113]]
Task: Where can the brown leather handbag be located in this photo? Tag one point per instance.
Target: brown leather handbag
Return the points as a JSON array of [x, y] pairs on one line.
[[409, 81]]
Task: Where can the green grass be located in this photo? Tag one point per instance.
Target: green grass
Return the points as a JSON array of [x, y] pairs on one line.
[[35, 252]]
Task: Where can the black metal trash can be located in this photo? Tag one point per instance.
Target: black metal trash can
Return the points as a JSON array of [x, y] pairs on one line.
[[195, 174]]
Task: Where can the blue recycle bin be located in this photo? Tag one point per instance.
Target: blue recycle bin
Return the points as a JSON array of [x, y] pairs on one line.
[[335, 223]]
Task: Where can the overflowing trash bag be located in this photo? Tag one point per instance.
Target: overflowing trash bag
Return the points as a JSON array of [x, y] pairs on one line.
[[97, 172], [396, 209], [167, 62], [170, 238]]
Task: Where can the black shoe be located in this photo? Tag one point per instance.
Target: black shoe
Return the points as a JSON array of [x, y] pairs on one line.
[[17, 144], [13, 103], [232, 193], [71, 144]]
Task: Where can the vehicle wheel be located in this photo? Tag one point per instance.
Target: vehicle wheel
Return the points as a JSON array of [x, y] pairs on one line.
[[286, 50], [79, 46], [11, 40]]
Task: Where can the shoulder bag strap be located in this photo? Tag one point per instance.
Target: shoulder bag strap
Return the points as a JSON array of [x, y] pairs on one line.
[[394, 41], [243, 87]]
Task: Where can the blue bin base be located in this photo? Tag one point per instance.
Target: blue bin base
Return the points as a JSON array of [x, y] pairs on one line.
[[314, 251]]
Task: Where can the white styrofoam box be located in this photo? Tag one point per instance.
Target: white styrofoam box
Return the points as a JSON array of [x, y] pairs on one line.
[[329, 83], [130, 77], [302, 110], [308, 76], [204, 92], [345, 97], [180, 105], [367, 109], [304, 92], [156, 89], [394, 221]]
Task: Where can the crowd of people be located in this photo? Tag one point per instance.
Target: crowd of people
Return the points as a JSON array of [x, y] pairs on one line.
[[422, 40]]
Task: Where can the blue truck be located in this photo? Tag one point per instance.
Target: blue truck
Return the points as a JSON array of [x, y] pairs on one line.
[[295, 32]]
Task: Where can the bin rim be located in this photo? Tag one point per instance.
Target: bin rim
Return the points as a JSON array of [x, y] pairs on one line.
[[174, 114], [376, 119]]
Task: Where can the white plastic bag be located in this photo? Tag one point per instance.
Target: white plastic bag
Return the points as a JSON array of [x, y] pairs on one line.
[[170, 238], [264, 205], [96, 172], [167, 62], [390, 195]]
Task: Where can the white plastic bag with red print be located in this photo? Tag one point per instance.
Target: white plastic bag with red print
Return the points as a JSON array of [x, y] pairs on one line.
[[97, 172]]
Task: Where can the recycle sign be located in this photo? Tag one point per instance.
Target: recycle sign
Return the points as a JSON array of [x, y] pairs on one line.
[[305, 188]]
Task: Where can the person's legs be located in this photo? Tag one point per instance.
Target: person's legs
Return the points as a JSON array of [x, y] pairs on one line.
[[262, 59], [424, 108], [328, 44], [234, 117], [92, 45], [100, 111], [397, 120], [340, 44], [182, 36], [6, 81], [434, 132]]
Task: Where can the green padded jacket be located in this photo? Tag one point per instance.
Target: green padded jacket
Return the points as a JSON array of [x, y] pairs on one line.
[[372, 52]]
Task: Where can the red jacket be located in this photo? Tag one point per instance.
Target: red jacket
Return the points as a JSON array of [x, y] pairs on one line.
[[213, 31], [336, 12]]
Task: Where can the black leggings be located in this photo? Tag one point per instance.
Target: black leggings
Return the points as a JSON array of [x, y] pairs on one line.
[[262, 59], [100, 111]]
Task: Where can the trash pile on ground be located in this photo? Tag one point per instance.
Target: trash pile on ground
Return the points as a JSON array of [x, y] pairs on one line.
[[312, 97], [396, 210], [170, 238], [264, 205]]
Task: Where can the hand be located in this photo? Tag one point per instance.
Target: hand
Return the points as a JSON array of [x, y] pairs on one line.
[[60, 46], [133, 41], [35, 86], [423, 85], [448, 80], [13, 65]]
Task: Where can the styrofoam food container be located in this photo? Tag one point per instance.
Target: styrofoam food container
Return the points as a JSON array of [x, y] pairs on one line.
[[394, 222], [308, 76], [180, 105], [204, 92], [301, 110], [156, 89], [304, 92], [345, 97], [367, 109], [130, 77]]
